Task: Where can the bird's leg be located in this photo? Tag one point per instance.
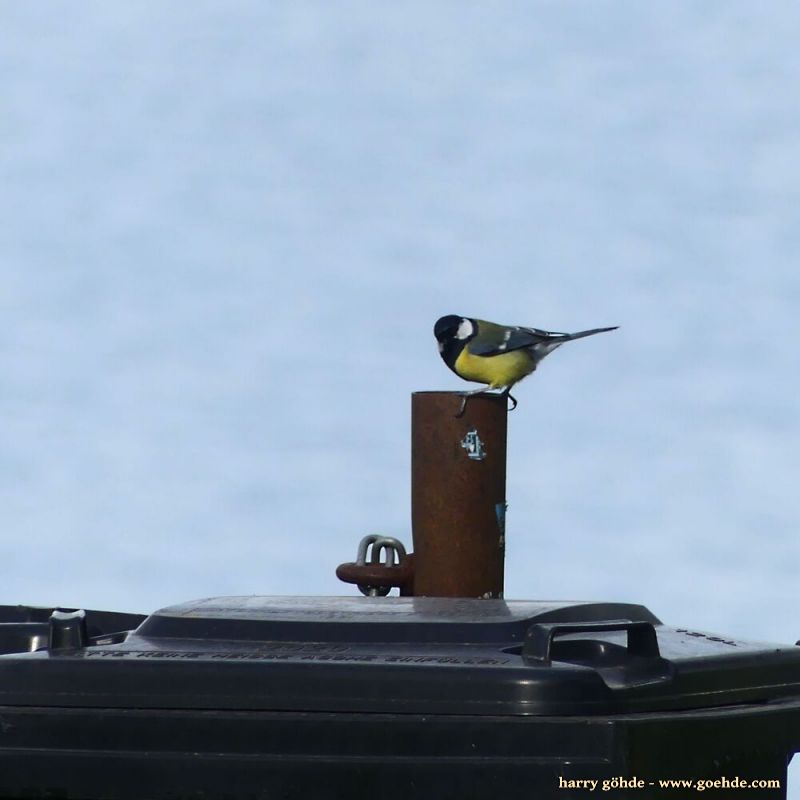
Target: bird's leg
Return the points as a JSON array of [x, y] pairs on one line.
[[465, 396]]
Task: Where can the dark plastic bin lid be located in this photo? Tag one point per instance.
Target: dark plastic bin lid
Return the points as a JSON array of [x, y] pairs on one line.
[[406, 655]]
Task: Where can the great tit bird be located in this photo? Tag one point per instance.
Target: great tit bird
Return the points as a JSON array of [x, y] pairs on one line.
[[497, 355]]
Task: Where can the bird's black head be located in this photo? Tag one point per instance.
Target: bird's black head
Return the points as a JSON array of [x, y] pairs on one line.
[[453, 333], [446, 328]]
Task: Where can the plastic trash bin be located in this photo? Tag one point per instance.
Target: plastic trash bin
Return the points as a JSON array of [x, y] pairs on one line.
[[310, 697]]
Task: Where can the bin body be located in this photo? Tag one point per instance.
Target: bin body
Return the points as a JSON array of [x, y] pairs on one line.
[[254, 697]]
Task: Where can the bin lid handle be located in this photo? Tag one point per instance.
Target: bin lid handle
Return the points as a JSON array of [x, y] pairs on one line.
[[642, 638]]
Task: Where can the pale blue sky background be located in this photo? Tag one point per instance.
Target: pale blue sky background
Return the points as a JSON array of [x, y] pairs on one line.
[[226, 230]]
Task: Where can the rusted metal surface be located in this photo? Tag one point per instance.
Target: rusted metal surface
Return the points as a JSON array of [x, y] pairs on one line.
[[381, 564], [458, 491], [400, 576]]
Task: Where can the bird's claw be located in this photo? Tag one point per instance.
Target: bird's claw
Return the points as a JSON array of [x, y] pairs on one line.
[[466, 396]]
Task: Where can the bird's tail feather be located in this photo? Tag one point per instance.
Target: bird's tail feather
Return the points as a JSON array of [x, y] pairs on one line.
[[568, 337]]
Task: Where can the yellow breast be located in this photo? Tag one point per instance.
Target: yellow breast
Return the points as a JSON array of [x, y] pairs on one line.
[[497, 371]]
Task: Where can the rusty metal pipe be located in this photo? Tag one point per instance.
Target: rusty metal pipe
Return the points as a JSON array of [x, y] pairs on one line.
[[458, 494]]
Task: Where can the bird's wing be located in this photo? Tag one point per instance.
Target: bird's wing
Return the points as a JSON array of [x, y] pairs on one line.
[[494, 340]]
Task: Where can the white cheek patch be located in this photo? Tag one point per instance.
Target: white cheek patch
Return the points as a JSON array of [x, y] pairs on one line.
[[465, 329]]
